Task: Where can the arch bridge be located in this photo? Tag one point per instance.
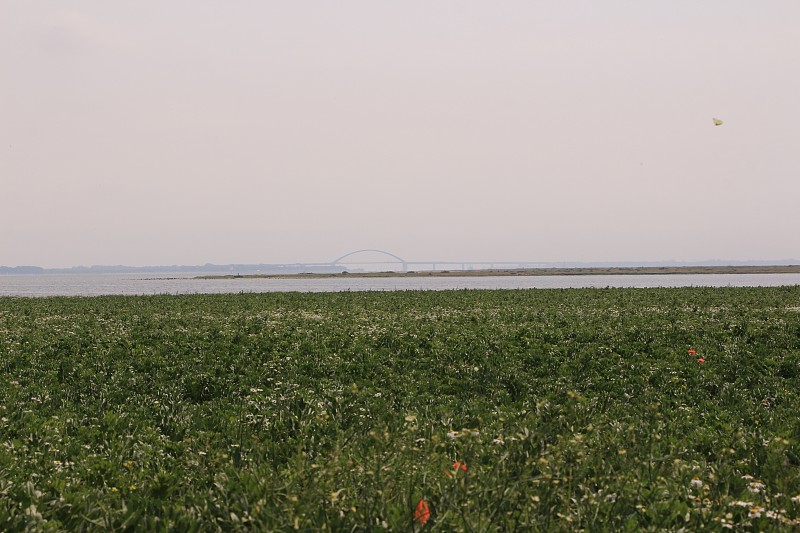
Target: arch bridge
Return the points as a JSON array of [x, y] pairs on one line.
[[398, 259]]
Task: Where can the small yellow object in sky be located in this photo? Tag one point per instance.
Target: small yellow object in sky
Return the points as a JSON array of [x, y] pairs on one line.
[[717, 122]]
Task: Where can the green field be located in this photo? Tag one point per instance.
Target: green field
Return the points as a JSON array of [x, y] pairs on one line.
[[570, 409]]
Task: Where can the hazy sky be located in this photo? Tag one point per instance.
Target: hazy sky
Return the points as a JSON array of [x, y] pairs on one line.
[[183, 132]]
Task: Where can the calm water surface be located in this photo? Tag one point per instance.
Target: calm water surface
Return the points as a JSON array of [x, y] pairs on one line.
[[135, 284]]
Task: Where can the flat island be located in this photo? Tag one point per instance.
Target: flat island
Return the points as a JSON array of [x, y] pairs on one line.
[[566, 271]]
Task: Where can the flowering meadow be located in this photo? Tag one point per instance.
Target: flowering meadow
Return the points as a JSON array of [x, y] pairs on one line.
[[535, 410]]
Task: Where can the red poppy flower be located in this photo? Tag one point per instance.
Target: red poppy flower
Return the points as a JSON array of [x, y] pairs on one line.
[[701, 360], [422, 512], [692, 352], [458, 465]]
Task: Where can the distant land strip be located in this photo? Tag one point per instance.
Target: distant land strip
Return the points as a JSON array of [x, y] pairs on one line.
[[572, 271]]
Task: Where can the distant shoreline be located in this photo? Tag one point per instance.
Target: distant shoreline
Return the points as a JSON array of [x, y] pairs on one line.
[[574, 271]]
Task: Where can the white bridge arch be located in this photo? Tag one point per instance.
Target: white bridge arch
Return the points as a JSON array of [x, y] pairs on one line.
[[398, 259]]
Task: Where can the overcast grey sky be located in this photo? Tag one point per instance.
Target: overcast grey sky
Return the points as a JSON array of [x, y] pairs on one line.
[[184, 132]]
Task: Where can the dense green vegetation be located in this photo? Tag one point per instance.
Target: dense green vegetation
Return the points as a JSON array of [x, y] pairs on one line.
[[568, 409]]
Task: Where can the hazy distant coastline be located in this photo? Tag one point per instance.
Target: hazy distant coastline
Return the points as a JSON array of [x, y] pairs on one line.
[[208, 267], [328, 270]]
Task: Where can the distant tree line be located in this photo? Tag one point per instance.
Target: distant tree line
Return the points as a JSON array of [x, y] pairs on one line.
[[21, 270], [207, 268]]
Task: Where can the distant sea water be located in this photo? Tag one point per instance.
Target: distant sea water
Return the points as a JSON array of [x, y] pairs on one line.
[[170, 283]]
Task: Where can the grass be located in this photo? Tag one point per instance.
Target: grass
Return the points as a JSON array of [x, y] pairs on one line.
[[570, 409]]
